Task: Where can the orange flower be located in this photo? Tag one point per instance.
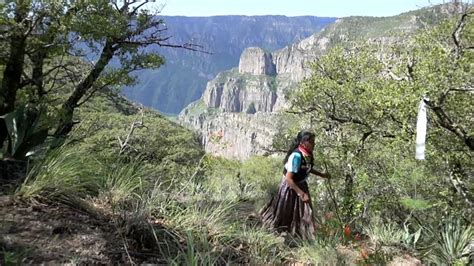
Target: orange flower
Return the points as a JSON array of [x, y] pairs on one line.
[[347, 231]]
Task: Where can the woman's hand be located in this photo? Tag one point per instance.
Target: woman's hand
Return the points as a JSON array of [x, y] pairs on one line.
[[304, 197], [321, 174]]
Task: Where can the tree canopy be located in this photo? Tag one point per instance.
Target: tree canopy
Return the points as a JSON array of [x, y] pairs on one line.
[[63, 52], [363, 100]]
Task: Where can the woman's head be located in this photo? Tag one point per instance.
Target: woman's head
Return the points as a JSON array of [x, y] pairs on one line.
[[304, 138]]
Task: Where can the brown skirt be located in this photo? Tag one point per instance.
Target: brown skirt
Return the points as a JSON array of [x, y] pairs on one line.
[[286, 212]]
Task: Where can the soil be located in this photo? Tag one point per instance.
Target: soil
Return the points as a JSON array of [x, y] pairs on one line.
[[33, 233]]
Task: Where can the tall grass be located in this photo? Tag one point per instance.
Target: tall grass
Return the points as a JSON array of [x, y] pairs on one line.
[[260, 246], [121, 182], [212, 217], [64, 172], [176, 218], [316, 254], [255, 178], [198, 252]]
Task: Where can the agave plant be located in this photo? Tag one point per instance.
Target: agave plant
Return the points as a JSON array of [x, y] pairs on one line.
[[452, 245], [26, 130], [384, 234]]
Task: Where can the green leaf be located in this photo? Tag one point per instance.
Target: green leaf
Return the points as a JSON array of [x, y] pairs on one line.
[[415, 204], [25, 129]]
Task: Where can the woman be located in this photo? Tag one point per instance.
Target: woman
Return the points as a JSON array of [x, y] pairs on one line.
[[291, 210]]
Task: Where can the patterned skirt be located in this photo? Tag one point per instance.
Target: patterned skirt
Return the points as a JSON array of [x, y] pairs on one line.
[[286, 212]]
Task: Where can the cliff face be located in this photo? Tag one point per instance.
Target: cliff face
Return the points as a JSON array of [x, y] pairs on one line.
[[257, 95], [256, 61], [239, 112], [233, 135], [294, 59]]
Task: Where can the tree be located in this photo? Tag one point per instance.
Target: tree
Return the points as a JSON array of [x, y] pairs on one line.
[[363, 102], [46, 40]]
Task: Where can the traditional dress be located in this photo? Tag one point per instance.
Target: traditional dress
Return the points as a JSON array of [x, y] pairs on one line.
[[286, 212]]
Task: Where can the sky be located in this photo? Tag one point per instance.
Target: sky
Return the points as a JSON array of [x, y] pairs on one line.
[[321, 8]]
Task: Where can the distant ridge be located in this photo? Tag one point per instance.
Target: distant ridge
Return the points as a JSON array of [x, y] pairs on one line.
[[184, 77]]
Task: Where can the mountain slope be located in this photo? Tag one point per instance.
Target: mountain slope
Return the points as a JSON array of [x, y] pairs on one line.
[[183, 78], [224, 111]]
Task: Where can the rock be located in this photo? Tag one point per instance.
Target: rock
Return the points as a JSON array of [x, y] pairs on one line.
[[256, 61], [234, 135], [233, 92]]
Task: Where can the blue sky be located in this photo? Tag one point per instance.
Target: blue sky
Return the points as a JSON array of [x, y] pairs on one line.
[[322, 8]]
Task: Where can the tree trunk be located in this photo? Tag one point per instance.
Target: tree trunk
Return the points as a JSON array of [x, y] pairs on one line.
[[348, 203], [446, 122], [12, 74], [67, 110], [456, 177], [37, 73]]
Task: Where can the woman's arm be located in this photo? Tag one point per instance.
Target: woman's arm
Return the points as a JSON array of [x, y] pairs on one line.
[[321, 174], [289, 179]]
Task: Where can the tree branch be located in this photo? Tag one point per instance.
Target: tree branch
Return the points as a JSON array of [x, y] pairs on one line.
[[365, 136], [456, 35], [447, 123], [344, 120], [93, 91], [136, 124]]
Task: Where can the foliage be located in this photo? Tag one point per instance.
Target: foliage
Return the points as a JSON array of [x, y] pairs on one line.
[[26, 129], [153, 182], [362, 101], [386, 234], [312, 253], [42, 40], [450, 243], [13, 257], [260, 246], [121, 181], [253, 178], [154, 146], [195, 257]]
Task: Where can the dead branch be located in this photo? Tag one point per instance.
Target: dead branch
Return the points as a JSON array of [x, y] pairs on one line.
[[136, 124], [456, 35]]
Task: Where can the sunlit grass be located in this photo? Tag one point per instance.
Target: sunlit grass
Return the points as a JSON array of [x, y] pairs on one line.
[[120, 182], [64, 172], [203, 220], [315, 254]]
